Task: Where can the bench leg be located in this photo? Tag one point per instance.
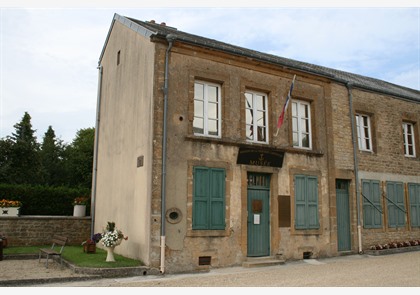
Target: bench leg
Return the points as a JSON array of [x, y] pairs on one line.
[[46, 264]]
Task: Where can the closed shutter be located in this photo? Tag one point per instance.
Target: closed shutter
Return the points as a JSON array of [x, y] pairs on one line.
[[208, 198], [414, 197], [395, 194], [306, 202], [372, 217]]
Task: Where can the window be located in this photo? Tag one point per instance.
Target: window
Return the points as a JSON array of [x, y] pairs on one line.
[[207, 109], [208, 198], [395, 203], [372, 209], [256, 117], [363, 132], [301, 121], [414, 197], [408, 137], [306, 202]]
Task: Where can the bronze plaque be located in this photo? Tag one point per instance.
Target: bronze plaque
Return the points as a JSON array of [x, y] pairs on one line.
[[257, 206]]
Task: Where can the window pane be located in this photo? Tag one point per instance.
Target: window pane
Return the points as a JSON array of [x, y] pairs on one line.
[[249, 118], [198, 108], [249, 132], [260, 102], [261, 134], [305, 140], [260, 118], [294, 109], [295, 139], [212, 93], [248, 100], [198, 91], [212, 126], [198, 125], [295, 124], [212, 111], [303, 125]]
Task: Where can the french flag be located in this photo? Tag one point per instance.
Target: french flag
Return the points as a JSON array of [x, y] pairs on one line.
[[281, 118]]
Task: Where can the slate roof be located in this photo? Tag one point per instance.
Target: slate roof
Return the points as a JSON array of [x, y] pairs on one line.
[[359, 81]]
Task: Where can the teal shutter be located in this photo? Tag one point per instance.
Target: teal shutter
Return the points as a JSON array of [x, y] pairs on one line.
[[312, 185], [208, 198], [414, 196], [217, 199], [372, 217], [201, 198], [300, 202], [395, 194], [306, 202]]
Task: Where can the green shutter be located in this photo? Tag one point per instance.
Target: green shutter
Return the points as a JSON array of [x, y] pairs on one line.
[[306, 202], [200, 198], [217, 199], [208, 198], [372, 217], [414, 196], [312, 193], [395, 201]]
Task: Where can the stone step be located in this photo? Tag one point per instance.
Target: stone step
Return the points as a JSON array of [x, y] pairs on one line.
[[262, 261]]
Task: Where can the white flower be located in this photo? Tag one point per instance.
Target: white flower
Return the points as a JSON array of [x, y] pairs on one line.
[[111, 238]]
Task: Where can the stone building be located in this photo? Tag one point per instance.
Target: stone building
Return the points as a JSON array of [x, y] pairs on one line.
[[190, 164]]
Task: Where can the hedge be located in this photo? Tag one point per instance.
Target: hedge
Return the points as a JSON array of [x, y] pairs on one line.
[[43, 200]]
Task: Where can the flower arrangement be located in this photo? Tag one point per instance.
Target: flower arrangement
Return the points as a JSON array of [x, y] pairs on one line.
[[7, 203], [80, 201], [112, 237], [94, 239]]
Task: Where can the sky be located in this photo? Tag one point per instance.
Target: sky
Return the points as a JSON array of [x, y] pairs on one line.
[[49, 54]]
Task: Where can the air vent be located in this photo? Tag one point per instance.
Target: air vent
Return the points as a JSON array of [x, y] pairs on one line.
[[204, 260]]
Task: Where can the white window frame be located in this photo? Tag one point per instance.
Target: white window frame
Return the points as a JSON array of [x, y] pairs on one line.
[[361, 135], [298, 120], [253, 108], [206, 103], [407, 136]]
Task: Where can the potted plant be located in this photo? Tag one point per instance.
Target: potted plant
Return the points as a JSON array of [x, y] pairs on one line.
[[79, 204], [89, 246], [111, 238], [9, 207]]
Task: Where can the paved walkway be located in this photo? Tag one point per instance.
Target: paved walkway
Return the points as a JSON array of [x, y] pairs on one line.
[[395, 270]]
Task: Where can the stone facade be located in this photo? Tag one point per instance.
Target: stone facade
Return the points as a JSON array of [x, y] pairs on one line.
[[135, 193]]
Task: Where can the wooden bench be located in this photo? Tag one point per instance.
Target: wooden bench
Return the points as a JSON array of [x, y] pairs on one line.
[[58, 243]]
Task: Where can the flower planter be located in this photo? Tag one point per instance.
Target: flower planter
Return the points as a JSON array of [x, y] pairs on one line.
[[89, 248], [79, 210], [9, 211]]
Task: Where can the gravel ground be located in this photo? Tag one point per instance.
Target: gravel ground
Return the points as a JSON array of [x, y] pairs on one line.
[[396, 270]]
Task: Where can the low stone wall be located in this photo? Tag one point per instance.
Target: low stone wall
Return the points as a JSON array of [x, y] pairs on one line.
[[38, 230]]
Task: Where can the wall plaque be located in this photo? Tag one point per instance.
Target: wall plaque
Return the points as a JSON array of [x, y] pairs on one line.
[[259, 157]]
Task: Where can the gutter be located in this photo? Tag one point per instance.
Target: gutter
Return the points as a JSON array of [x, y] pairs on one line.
[[95, 153], [349, 85], [170, 38]]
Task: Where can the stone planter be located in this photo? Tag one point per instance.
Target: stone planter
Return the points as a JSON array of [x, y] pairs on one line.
[[9, 211], [79, 210]]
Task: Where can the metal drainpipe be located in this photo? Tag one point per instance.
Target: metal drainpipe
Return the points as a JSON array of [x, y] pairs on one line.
[[356, 165], [170, 39], [95, 154]]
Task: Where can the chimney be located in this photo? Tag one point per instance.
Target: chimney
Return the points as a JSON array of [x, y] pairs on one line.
[[163, 24]]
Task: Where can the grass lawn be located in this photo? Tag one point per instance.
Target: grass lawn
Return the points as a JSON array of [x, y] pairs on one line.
[[76, 256]]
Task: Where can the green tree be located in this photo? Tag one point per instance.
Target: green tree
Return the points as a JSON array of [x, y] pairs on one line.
[[5, 161], [25, 164], [79, 159], [51, 155]]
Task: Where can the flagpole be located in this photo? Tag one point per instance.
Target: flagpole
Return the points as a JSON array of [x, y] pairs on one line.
[[286, 104]]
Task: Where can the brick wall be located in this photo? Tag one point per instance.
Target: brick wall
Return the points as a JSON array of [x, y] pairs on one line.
[[38, 230]]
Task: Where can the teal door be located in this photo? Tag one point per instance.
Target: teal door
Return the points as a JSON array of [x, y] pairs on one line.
[[258, 215], [343, 215]]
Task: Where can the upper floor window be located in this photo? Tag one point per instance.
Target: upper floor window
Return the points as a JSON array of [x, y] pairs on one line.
[[301, 122], [408, 137], [256, 117], [363, 132], [207, 109]]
